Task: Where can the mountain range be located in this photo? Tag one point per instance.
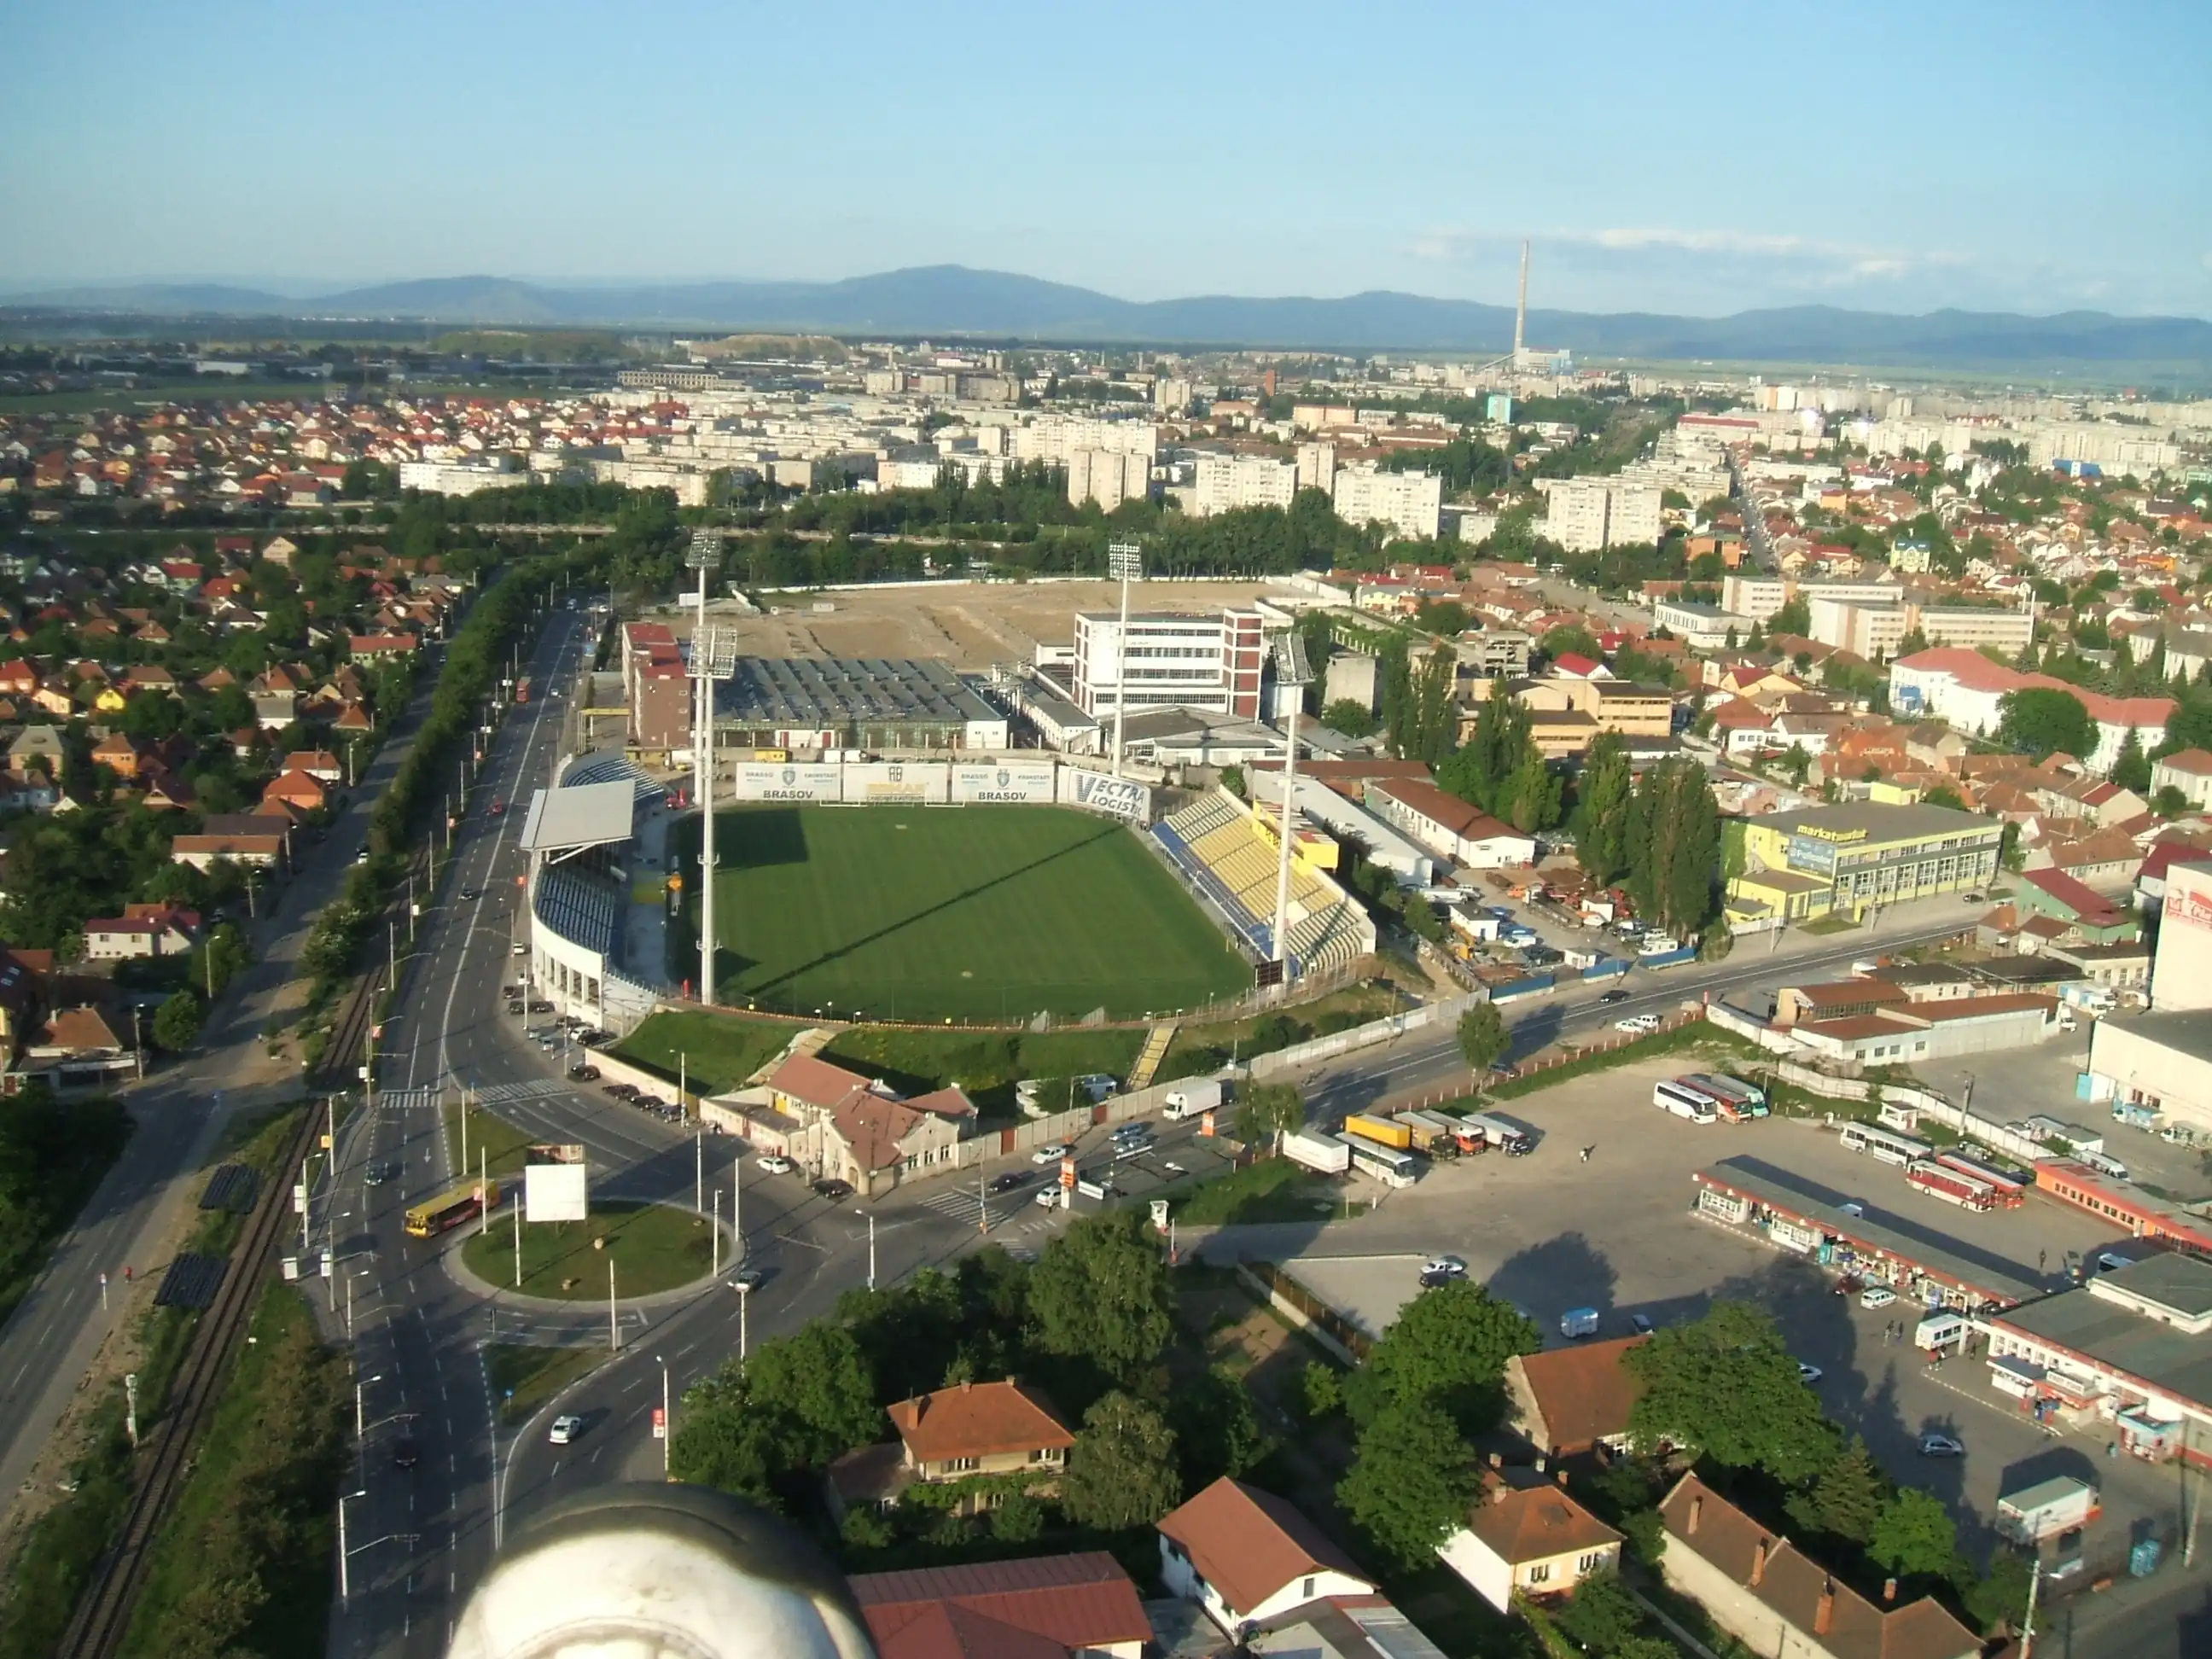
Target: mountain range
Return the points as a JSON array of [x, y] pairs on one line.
[[955, 300]]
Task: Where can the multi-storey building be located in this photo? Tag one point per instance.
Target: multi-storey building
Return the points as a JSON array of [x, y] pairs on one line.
[[1225, 483], [1842, 859], [1175, 659], [1409, 502], [1589, 513], [1108, 477]]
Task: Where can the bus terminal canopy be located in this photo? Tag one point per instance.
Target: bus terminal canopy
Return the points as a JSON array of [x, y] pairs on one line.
[[587, 814]]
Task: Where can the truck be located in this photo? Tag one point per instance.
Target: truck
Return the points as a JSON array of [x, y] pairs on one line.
[[1382, 1130], [1433, 1136], [522, 690], [1508, 1137], [1578, 1322], [1194, 1097], [2047, 1509], [1324, 1153], [1939, 1181]]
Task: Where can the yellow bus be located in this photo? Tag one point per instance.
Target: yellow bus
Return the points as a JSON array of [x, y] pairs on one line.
[[450, 1209]]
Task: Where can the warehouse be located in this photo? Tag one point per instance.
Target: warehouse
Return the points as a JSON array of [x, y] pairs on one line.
[[2162, 1062], [882, 705]]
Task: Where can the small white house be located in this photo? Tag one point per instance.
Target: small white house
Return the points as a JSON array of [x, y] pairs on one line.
[[1534, 1540], [1247, 1557]]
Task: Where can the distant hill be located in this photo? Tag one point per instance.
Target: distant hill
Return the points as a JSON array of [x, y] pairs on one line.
[[953, 300]]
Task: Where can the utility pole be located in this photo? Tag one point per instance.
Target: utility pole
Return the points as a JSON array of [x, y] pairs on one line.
[[714, 1240], [699, 1171], [745, 1308], [1125, 562], [1291, 674], [667, 1421], [2027, 1624], [713, 658], [614, 1330]]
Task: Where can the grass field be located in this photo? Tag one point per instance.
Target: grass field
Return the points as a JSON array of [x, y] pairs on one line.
[[654, 1246], [986, 914]]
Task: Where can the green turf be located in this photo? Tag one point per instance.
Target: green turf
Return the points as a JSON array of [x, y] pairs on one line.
[[703, 1050], [987, 914], [654, 1246]]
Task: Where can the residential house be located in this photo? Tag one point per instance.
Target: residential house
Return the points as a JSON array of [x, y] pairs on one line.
[[2189, 771], [1759, 1587], [1050, 1606], [318, 763], [1247, 1557], [1342, 1627], [2107, 858], [119, 754], [975, 1429], [1449, 826], [374, 648], [143, 930], [2089, 916], [1529, 1540], [77, 1054], [1566, 1400], [248, 838], [298, 790], [874, 1140], [36, 749]]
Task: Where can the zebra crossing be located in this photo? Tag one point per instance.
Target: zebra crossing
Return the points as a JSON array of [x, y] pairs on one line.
[[1020, 1208], [492, 1094]]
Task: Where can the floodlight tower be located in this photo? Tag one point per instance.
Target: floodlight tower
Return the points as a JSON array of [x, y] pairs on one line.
[[1125, 562], [713, 655], [1292, 672]]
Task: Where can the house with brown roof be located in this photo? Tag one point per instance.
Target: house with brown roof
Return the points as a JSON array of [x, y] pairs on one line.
[[976, 1429], [243, 837], [1566, 1400], [143, 930], [298, 790], [1760, 1588], [853, 1129], [1051, 1606], [77, 1054], [1529, 1540], [1247, 1557]]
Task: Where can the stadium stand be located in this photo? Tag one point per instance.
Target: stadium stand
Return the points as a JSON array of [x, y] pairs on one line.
[[1229, 857], [581, 906], [609, 768]]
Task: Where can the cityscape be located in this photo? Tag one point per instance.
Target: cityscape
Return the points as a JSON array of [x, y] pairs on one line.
[[951, 929]]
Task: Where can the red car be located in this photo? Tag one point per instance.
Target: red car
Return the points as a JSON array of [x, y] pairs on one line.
[[498, 807]]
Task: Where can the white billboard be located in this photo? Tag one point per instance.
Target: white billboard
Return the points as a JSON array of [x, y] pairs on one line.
[[554, 1184], [902, 783], [1004, 782], [793, 781], [1095, 791]]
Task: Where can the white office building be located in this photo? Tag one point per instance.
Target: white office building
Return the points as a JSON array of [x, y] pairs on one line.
[[1411, 504], [1225, 483], [1213, 661]]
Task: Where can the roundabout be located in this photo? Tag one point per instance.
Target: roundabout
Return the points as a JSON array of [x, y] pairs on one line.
[[653, 1249]]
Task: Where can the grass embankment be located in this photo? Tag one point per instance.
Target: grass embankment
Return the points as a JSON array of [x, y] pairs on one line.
[[1272, 1189], [653, 1247], [49, 1571], [523, 1378], [990, 915], [985, 1064], [243, 1563], [718, 1051], [1197, 1050]]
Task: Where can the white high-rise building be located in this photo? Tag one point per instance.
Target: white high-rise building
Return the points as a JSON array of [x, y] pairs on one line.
[[1108, 477], [1228, 482], [1586, 514], [1411, 504], [1317, 467]]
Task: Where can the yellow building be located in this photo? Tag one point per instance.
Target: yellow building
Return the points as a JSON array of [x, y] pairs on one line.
[[1565, 715], [1846, 860]]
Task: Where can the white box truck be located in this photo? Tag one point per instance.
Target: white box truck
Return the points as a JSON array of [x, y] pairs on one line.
[[1194, 1097], [1323, 1152], [2046, 1509]]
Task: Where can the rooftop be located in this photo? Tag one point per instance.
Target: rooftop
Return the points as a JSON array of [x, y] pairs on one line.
[[977, 1419], [1871, 822], [1249, 1543], [1536, 1524], [583, 815], [2118, 1336], [1074, 1601], [1584, 1391], [837, 691], [2187, 1032]]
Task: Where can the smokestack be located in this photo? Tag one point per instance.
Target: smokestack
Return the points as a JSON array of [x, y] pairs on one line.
[[1759, 1561], [1521, 309], [1824, 1611]]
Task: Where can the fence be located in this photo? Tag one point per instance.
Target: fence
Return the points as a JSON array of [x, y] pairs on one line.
[[1307, 1311], [1387, 1029]]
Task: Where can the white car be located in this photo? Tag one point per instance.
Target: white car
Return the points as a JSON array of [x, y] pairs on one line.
[[1444, 1264], [775, 1163], [1638, 1024], [1051, 1154], [1807, 1373], [565, 1429], [1048, 1198], [1941, 1445], [1877, 1295]]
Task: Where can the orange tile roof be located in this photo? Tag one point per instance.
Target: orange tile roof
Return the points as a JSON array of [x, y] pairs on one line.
[[1583, 1392], [977, 1419], [1248, 1543], [1535, 1523], [1049, 1605]]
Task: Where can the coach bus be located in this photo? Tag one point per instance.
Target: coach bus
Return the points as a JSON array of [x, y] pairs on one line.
[[1384, 1163], [1885, 1145], [450, 1209], [1684, 1102]]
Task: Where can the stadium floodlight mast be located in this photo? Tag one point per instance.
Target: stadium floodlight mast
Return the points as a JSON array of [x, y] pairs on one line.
[[1292, 672], [1125, 563], [713, 657]]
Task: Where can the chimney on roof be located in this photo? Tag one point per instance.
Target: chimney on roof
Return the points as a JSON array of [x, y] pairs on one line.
[[1889, 1589], [1563, 1477], [1759, 1561], [1697, 1509], [1496, 1461], [1823, 1610], [1540, 1465]]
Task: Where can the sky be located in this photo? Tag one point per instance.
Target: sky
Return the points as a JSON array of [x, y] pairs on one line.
[[1694, 158]]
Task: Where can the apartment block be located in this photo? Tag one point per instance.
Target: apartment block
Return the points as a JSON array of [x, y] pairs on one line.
[[1226, 483], [1974, 627], [1871, 630], [1108, 477], [1317, 467], [1586, 514], [1411, 504]]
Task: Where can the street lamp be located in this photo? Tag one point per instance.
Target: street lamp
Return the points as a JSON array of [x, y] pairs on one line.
[[359, 1383], [667, 1419], [345, 1574], [1125, 563], [870, 1215]]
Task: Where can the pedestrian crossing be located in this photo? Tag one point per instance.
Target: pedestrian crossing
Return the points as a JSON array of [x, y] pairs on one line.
[[492, 1094], [406, 1100], [1020, 1208]]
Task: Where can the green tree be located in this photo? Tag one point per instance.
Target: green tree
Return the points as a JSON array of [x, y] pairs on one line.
[[1914, 1536], [1483, 1038], [1216, 1430], [1601, 814], [1448, 1347], [1100, 1292], [1726, 1387], [1717, 940], [1795, 619], [727, 1439], [177, 1022], [2042, 721], [1600, 1615], [1019, 1519], [1846, 1501], [1353, 718], [1265, 1111], [819, 1379], [2131, 769], [1122, 1472], [1412, 1480], [1321, 1389]]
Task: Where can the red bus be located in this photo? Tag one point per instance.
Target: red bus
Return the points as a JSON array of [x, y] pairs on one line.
[[522, 690]]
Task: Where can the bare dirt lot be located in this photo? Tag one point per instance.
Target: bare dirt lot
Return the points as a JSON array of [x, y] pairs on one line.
[[972, 625]]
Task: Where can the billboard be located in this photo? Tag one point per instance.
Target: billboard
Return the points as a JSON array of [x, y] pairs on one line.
[[1009, 782], [917, 783], [791, 782], [554, 1187], [1095, 791]]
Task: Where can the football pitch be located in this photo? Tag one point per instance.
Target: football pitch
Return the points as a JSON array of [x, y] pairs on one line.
[[971, 913]]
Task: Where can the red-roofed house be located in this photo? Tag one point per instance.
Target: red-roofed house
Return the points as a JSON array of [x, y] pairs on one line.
[[1565, 1401], [978, 1428], [143, 930], [1966, 689], [2189, 770], [1529, 1540], [1247, 1556], [1448, 826], [1573, 666], [1054, 1607]]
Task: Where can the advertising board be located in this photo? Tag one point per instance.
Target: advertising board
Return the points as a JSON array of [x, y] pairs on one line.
[[555, 1183], [1095, 791], [791, 782], [917, 783], [1005, 782]]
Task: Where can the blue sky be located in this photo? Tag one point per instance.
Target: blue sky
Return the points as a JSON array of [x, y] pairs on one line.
[[1698, 158]]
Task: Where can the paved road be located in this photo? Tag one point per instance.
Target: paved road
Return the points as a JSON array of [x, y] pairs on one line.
[[52, 1340]]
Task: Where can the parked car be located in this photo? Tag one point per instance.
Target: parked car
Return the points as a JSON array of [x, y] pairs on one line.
[[1445, 1264], [584, 1073], [1048, 1198], [1877, 1295], [830, 1188], [540, 1006], [1941, 1445], [621, 1091], [1049, 1154], [775, 1163], [1430, 1281], [1807, 1373], [566, 1427], [1638, 1024], [1640, 1323], [651, 1103]]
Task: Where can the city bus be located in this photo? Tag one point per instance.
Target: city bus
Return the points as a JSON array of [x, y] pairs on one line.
[[1885, 1145], [522, 690], [450, 1209]]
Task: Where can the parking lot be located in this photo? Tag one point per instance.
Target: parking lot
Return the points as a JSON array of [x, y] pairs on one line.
[[1617, 1233]]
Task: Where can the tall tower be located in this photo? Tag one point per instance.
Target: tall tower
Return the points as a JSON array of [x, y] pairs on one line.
[[1521, 308]]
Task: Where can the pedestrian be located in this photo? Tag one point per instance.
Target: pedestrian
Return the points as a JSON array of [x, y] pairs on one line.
[[1587, 1150]]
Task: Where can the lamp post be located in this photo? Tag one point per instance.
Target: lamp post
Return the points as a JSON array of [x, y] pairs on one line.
[[872, 1244], [359, 1383], [745, 1305], [345, 1575], [667, 1419], [713, 656], [1291, 674], [1125, 563]]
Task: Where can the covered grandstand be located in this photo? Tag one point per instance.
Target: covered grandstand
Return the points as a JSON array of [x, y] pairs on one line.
[[1228, 854], [578, 840]]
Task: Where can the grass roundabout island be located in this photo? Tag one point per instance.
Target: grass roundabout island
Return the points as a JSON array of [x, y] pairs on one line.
[[654, 1246]]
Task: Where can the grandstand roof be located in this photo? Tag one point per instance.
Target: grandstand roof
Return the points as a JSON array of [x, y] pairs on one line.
[[839, 690], [589, 815]]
